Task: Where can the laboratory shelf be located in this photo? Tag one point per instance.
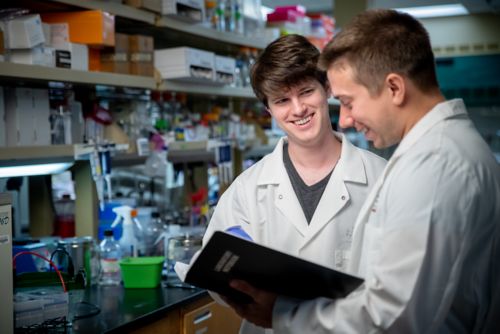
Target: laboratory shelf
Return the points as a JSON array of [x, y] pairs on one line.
[[117, 9], [203, 31], [35, 72], [159, 21], [13, 155], [226, 91]]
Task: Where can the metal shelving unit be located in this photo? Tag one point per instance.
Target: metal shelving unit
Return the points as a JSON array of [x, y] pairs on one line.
[[113, 8], [225, 91], [159, 21], [41, 73]]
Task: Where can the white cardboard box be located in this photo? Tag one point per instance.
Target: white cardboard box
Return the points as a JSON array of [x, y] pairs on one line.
[[24, 32], [224, 69], [39, 55], [185, 64], [189, 10], [27, 113], [78, 55]]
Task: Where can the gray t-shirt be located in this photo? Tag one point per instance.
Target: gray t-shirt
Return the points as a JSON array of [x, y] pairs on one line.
[[308, 196]]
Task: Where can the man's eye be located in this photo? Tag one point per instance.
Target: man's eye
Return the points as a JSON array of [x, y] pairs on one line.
[[307, 91], [281, 101], [346, 104]]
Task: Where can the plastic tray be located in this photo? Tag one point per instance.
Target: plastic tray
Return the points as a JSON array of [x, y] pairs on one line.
[[141, 272]]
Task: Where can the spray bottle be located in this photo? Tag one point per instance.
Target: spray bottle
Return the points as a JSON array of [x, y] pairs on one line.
[[128, 242]]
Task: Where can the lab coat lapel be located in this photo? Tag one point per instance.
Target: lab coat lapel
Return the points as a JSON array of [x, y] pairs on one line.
[[350, 168], [284, 199]]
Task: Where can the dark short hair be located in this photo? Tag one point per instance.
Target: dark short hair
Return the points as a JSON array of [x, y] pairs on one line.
[[286, 62], [382, 41]]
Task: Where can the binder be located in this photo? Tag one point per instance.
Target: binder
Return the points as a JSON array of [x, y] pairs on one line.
[[227, 257]]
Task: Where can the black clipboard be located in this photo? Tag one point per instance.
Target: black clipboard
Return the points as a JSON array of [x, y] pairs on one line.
[[227, 257]]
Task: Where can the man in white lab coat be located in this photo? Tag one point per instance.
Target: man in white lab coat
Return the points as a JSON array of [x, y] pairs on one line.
[[302, 198], [427, 238]]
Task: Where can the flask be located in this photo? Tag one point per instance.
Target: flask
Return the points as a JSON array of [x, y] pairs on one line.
[[110, 255]]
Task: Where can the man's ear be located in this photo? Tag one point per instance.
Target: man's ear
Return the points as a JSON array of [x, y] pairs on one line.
[[396, 86]]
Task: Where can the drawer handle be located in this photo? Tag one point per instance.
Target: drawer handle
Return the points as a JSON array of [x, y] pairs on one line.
[[202, 317]]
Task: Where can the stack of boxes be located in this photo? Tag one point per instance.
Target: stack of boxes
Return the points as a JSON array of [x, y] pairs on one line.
[[27, 117], [25, 40], [93, 28], [188, 10], [194, 65], [132, 54]]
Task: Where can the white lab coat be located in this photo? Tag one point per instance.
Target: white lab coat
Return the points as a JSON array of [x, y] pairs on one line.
[[426, 240], [262, 201]]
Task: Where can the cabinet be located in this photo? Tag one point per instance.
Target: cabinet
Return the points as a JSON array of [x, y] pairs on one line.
[[202, 316]]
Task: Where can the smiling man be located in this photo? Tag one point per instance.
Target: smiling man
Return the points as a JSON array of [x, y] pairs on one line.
[[302, 198], [427, 239]]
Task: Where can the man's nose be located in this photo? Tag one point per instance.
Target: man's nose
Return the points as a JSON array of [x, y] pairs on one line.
[[345, 118], [298, 106]]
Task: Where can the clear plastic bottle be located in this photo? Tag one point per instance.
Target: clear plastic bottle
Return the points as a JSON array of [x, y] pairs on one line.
[[153, 236], [110, 255], [220, 16]]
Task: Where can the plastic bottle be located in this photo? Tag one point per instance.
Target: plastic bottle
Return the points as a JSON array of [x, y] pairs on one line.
[[220, 16], [110, 255], [128, 242], [239, 26], [153, 235]]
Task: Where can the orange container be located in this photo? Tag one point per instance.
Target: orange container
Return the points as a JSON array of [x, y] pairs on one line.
[[91, 27]]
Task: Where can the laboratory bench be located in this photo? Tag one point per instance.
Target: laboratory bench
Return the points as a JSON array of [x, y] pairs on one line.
[[114, 309]]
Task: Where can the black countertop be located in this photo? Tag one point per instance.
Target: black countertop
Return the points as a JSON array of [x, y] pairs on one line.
[[123, 309]]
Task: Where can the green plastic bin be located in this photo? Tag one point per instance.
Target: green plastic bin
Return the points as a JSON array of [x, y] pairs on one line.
[[142, 272]]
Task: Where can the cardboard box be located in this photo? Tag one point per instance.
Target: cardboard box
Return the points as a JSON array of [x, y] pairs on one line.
[[115, 63], [224, 69], [92, 27], [189, 10], [72, 55], [94, 59], [141, 43], [39, 55], [185, 64], [59, 33], [27, 117], [121, 43], [23, 32], [145, 69]]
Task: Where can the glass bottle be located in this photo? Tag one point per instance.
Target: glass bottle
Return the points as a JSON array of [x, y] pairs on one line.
[[110, 255]]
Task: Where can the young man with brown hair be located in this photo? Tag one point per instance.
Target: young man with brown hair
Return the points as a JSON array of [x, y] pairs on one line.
[[302, 198], [427, 238]]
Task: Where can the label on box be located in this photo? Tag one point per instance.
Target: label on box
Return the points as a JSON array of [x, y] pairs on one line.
[[63, 59]]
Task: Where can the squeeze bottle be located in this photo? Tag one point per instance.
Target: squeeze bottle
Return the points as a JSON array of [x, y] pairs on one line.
[[128, 242]]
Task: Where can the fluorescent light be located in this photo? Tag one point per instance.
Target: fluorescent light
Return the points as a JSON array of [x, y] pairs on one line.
[[36, 169], [435, 11]]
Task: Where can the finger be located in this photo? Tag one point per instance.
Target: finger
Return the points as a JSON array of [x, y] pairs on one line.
[[244, 287]]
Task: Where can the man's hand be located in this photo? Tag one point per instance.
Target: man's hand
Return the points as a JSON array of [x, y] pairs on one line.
[[258, 312]]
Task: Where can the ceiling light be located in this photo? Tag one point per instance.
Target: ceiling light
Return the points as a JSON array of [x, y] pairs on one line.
[[435, 11], [30, 169]]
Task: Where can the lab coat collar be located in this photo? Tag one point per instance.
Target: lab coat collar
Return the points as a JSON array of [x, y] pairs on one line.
[[350, 162], [441, 111], [350, 168]]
